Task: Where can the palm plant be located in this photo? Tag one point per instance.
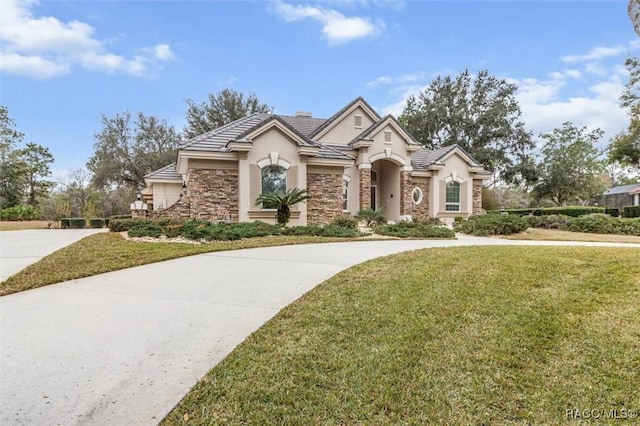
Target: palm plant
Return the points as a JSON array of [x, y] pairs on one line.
[[282, 201]]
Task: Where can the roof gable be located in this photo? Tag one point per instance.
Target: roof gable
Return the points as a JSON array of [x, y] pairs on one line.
[[426, 157], [339, 116], [278, 122], [379, 125]]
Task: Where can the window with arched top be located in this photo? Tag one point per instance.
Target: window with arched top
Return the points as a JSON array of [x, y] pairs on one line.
[[452, 200], [274, 179]]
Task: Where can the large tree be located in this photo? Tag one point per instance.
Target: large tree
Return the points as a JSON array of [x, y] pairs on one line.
[[11, 164], [570, 166], [219, 109], [625, 147], [36, 159], [125, 152], [481, 114]]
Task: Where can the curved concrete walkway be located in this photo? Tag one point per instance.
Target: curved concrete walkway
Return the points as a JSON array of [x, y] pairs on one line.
[[123, 348], [19, 249]]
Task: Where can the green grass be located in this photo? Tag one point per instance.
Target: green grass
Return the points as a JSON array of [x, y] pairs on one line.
[[101, 253], [538, 234], [470, 335]]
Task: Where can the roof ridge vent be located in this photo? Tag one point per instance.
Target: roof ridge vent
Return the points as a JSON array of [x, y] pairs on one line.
[[306, 114]]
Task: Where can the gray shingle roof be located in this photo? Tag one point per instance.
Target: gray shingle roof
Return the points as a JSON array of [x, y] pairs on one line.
[[304, 125], [327, 151], [624, 189], [217, 139], [424, 157], [304, 140], [165, 173]]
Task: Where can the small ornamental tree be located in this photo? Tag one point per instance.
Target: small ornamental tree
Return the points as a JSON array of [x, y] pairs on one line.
[[282, 202]]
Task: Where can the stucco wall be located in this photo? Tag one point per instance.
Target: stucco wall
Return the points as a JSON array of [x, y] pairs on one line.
[[345, 131], [165, 194]]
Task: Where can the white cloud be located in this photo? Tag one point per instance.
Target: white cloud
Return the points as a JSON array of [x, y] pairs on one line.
[[163, 52], [45, 47], [380, 81], [596, 54], [587, 95], [336, 28]]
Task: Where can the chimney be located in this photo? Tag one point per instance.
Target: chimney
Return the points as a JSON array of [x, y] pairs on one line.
[[306, 114]]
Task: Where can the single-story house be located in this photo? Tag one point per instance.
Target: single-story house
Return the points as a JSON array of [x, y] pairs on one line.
[[622, 196], [354, 160]]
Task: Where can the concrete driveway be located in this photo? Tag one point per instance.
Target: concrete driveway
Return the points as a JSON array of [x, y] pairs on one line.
[[19, 249], [123, 348]]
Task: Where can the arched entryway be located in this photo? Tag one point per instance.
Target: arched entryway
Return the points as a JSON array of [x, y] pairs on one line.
[[385, 188]]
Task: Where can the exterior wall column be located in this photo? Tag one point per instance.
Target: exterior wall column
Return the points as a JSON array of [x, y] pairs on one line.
[[364, 172], [477, 197], [244, 188], [302, 184], [405, 191], [434, 195]]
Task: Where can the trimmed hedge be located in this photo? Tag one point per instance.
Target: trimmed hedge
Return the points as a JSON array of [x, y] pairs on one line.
[[96, 223], [572, 211], [492, 224], [631, 211], [612, 212], [77, 222], [414, 230], [64, 223]]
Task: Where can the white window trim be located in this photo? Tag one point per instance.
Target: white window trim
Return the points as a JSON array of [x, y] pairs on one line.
[[459, 181], [420, 198]]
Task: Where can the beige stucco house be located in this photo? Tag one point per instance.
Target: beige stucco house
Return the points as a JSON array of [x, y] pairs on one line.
[[354, 160]]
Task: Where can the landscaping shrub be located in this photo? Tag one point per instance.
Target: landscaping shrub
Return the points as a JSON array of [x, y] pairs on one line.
[[533, 221], [572, 211], [492, 224], [414, 230], [25, 212], [148, 229], [345, 222], [371, 217], [121, 225], [631, 211], [96, 223], [603, 224], [77, 222], [336, 231], [555, 221]]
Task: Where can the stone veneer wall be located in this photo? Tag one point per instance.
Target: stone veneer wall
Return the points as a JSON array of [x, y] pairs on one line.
[[365, 188], [405, 193], [420, 211], [213, 194], [477, 197], [325, 197], [181, 209]]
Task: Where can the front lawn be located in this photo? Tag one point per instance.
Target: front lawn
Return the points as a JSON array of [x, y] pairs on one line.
[[468, 335]]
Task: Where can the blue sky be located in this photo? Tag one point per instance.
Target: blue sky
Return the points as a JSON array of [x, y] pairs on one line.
[[64, 63]]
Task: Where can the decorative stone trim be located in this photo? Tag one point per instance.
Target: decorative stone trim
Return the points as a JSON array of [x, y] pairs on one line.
[[365, 188], [477, 197], [181, 209]]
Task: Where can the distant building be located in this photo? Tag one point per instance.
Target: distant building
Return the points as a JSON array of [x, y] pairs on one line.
[[622, 196]]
